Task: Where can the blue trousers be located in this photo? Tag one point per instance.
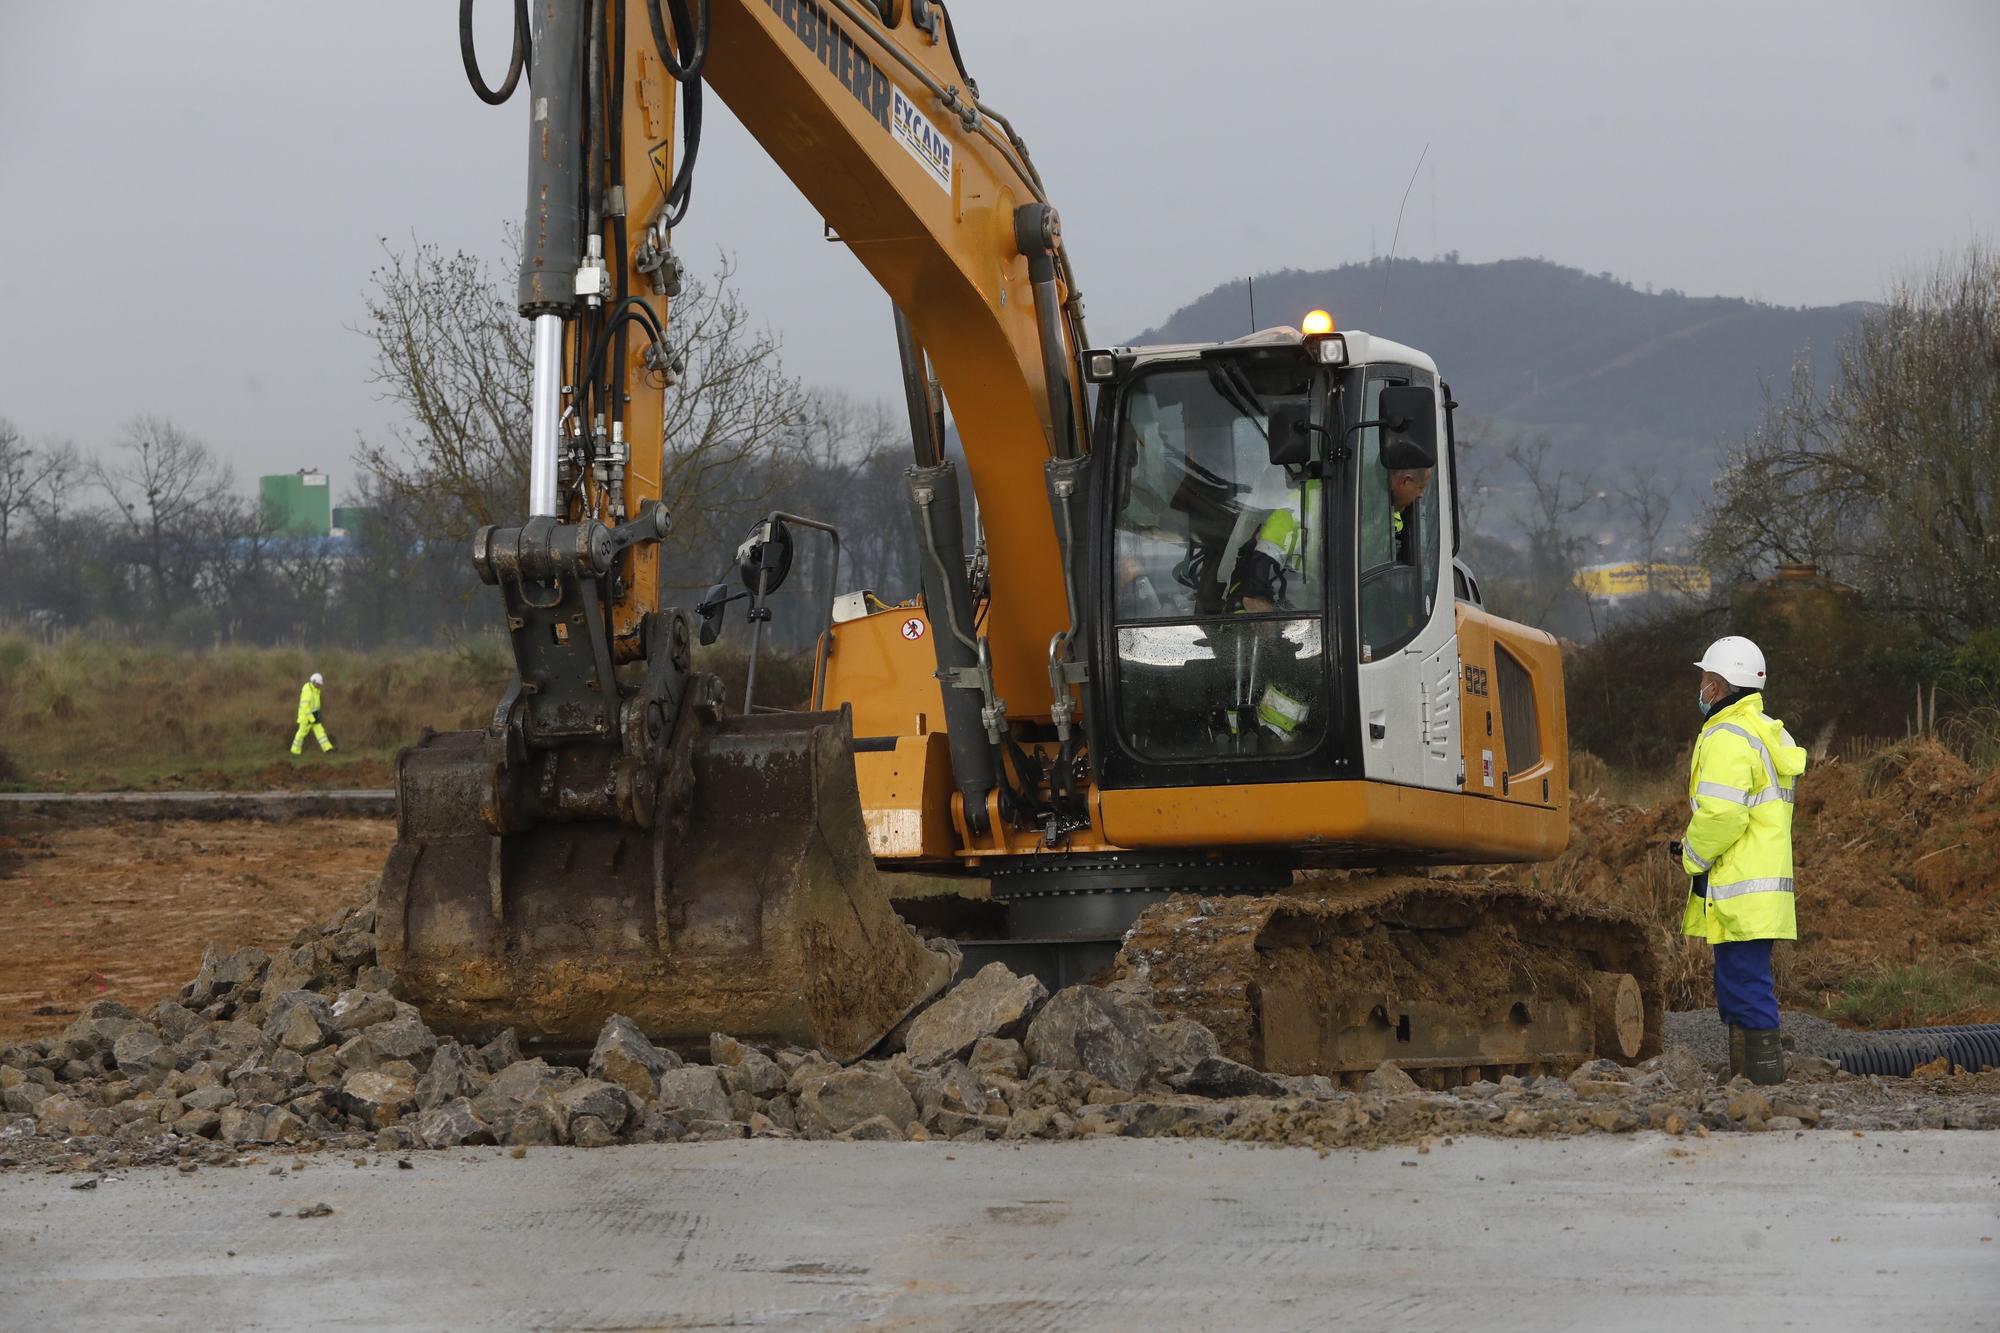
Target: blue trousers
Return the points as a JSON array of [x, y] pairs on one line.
[[1746, 994]]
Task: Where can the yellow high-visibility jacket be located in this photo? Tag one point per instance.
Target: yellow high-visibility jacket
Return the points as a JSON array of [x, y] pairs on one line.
[[308, 702], [1741, 786]]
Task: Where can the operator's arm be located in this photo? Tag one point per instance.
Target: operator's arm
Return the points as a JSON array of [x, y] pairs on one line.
[[1723, 777]]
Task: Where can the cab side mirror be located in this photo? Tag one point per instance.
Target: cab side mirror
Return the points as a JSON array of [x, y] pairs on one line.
[[1408, 413], [710, 610], [1290, 440]]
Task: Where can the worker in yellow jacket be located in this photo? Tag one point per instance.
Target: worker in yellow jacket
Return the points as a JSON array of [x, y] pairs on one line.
[[1738, 849], [309, 717]]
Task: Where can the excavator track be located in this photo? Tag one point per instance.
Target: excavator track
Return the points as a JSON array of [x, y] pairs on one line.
[[1453, 981]]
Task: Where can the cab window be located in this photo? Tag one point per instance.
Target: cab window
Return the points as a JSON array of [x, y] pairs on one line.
[[1218, 562], [1398, 547]]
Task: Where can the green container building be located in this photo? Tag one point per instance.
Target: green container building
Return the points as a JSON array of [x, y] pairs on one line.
[[298, 502]]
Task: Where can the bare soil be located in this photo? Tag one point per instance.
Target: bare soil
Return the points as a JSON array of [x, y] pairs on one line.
[[123, 910]]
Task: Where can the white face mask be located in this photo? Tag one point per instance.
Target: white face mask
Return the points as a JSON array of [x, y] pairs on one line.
[[1701, 699]]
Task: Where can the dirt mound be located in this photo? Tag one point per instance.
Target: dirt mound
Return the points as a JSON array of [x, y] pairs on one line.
[[1897, 859]]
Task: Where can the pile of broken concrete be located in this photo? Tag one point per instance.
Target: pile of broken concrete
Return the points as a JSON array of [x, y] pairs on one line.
[[313, 1049]]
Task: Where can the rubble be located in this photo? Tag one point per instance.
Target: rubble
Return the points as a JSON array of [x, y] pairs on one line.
[[311, 1050]]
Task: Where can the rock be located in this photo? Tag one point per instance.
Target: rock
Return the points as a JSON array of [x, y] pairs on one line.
[[371, 977], [1039, 1122], [1219, 1076], [756, 1075], [1095, 1030], [810, 1069], [403, 1037], [209, 1099], [951, 1090], [1747, 1104], [693, 1092], [502, 1051], [376, 1099], [587, 1131], [1002, 1054], [876, 1128], [282, 1126], [658, 1127], [452, 1123], [395, 1138], [227, 975], [140, 1054], [1180, 1044], [607, 1103], [253, 1083], [304, 1030], [841, 1100], [1388, 1080], [61, 1114], [358, 1009], [451, 1074], [99, 1026], [202, 1124], [1809, 1066], [1309, 1085], [225, 1043], [323, 1066], [1612, 1119], [296, 969], [1779, 1122], [23, 1098], [1788, 1107], [173, 1021], [241, 1124], [1681, 1067], [624, 1056], [279, 1010], [713, 1131], [353, 948], [992, 1003]]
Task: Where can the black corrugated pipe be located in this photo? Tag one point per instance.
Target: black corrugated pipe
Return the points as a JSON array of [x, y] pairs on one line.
[[1895, 1054]]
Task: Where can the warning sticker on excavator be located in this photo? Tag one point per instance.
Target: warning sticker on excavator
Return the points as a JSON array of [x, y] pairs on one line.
[[913, 628], [920, 138]]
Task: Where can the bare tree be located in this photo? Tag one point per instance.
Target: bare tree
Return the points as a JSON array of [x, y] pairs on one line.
[[1889, 478], [451, 349], [1649, 502], [27, 472], [1549, 514], [162, 484]]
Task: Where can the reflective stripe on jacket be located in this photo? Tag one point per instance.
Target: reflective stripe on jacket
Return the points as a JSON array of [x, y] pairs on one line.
[[1740, 788], [308, 702]]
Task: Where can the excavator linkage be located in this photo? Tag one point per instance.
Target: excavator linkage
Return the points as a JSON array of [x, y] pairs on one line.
[[751, 906]]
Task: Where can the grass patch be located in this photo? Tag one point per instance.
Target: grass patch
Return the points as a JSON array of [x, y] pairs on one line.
[[1920, 995], [84, 713]]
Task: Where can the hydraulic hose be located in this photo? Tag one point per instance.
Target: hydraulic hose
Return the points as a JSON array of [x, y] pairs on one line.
[[516, 62]]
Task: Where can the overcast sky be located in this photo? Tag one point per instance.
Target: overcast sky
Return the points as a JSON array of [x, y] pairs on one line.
[[192, 192]]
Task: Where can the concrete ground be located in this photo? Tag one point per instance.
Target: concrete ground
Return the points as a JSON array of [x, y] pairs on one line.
[[1824, 1231]]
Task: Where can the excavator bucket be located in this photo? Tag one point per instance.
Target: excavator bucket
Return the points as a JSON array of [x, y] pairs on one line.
[[751, 906]]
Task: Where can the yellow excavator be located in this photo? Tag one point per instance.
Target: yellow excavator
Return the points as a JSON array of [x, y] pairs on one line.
[[1204, 647]]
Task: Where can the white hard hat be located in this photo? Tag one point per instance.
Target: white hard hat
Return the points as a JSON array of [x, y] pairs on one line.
[[317, 681], [1736, 660]]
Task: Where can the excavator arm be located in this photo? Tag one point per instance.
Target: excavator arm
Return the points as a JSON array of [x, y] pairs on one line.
[[613, 841]]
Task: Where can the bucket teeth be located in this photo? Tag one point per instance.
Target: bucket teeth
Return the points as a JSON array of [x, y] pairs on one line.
[[755, 909]]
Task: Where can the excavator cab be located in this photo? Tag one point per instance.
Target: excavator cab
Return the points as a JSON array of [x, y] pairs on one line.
[[1248, 532]]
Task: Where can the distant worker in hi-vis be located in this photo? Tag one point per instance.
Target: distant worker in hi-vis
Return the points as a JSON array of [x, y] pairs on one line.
[[309, 718], [1738, 849]]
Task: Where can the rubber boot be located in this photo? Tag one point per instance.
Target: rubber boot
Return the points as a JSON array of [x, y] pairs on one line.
[[1735, 1050], [1764, 1055]]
